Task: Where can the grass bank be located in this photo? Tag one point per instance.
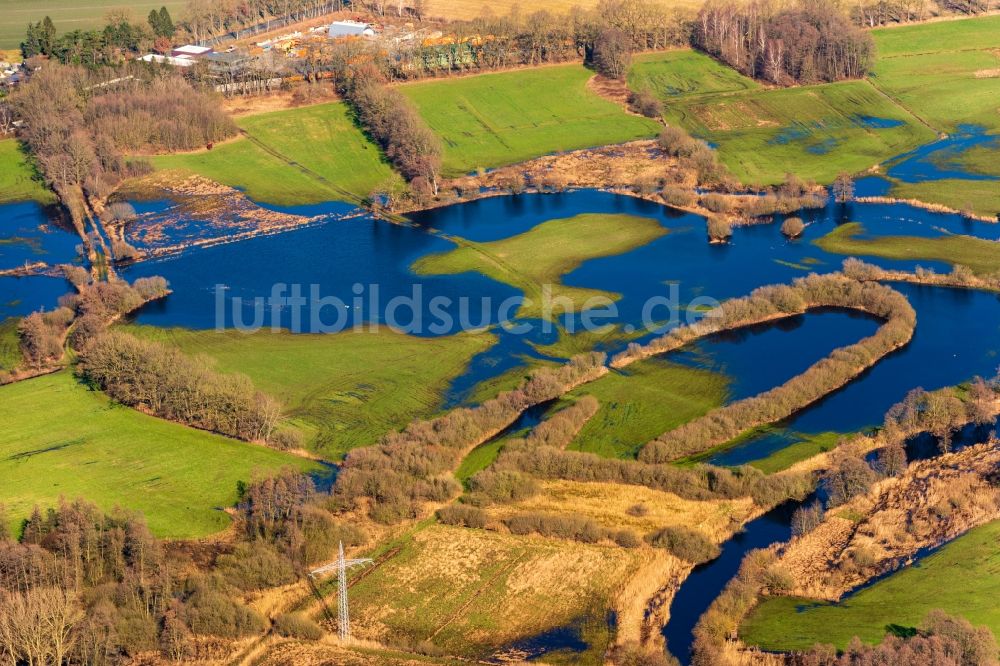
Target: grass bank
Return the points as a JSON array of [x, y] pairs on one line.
[[18, 180], [982, 256], [540, 257], [343, 390], [492, 120], [61, 439], [651, 397], [962, 578], [295, 156]]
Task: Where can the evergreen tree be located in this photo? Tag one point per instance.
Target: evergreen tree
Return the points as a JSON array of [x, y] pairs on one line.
[[166, 23], [154, 22]]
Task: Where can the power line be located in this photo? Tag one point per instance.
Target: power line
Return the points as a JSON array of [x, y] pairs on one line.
[[341, 566]]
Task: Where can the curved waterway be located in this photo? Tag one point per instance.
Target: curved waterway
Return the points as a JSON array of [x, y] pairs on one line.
[[355, 262]]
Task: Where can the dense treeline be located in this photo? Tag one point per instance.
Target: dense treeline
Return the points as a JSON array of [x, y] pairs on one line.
[[607, 34], [111, 45], [389, 117], [724, 423], [82, 587], [154, 377], [79, 127], [807, 42], [413, 466]]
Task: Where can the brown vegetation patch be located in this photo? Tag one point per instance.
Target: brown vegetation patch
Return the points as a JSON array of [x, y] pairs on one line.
[[933, 502], [614, 505], [533, 583]]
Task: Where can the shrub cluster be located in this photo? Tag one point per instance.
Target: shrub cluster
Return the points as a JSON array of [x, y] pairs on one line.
[[941, 640], [694, 154], [414, 465], [687, 543], [575, 528], [698, 482]]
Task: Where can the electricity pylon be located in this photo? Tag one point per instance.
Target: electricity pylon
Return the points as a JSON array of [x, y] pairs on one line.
[[341, 566]]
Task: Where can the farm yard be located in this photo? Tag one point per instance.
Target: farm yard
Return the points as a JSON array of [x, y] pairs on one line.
[[67, 14], [492, 120], [63, 439]]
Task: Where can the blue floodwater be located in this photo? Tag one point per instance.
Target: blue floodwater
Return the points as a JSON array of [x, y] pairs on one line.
[[27, 235], [935, 160]]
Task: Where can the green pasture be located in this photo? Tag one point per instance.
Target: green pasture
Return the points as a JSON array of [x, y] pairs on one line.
[[492, 120], [948, 75], [297, 156], [816, 132], [962, 578], [61, 439], [343, 390], [982, 256], [642, 402], [673, 74], [69, 15], [10, 344], [537, 259], [18, 180]]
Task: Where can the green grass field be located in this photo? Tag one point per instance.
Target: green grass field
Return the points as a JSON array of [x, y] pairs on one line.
[[674, 74], [982, 256], [343, 390], [815, 131], [809, 445], [538, 258], [60, 439], [10, 345], [651, 397], [948, 74], [492, 120], [69, 15], [18, 181], [334, 155], [962, 578]]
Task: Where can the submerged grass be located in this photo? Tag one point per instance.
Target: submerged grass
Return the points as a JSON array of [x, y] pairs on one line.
[[343, 390], [61, 439], [982, 256], [816, 131], [540, 257], [962, 578]]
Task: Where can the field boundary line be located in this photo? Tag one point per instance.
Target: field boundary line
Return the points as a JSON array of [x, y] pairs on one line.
[[898, 103]]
